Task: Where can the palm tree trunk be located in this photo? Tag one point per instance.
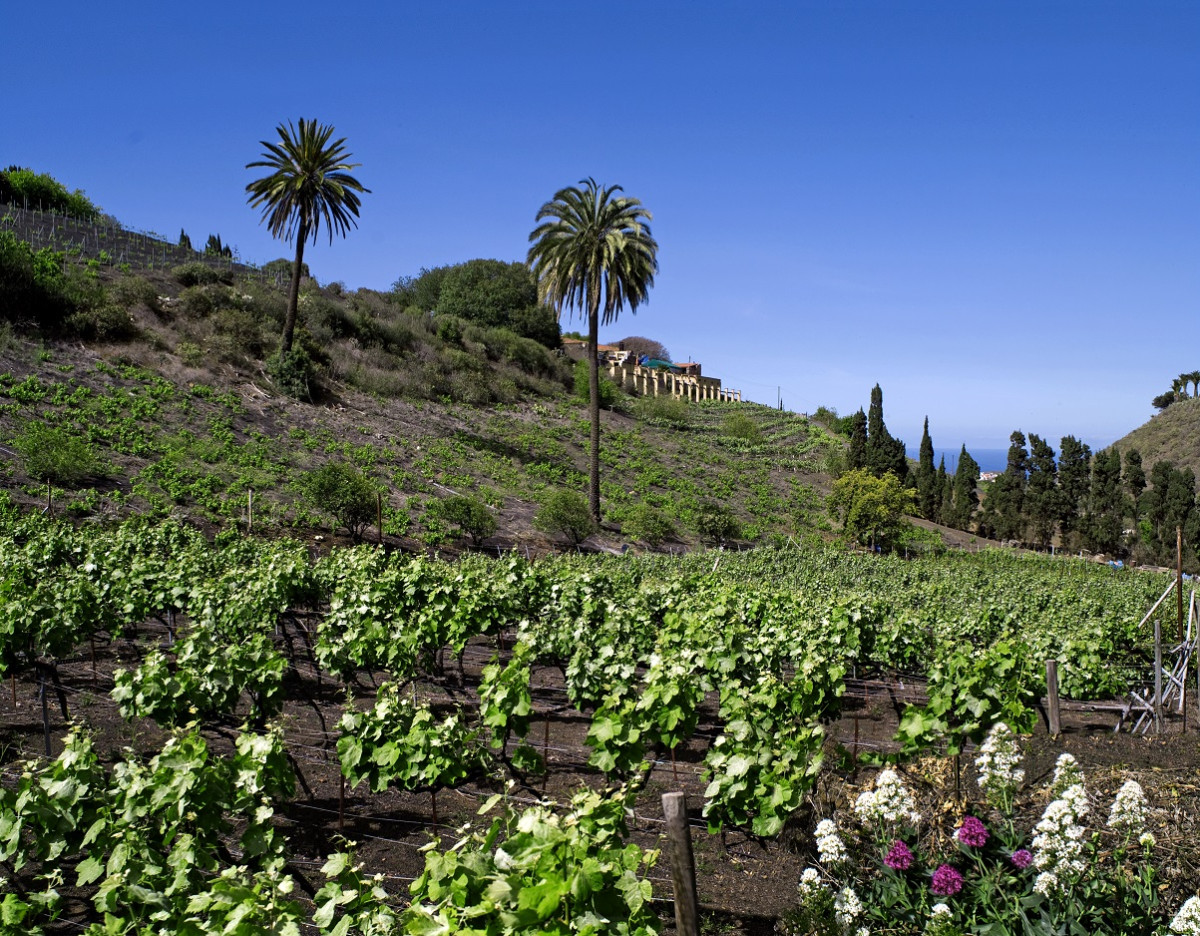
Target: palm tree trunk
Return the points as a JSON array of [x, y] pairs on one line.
[[594, 406], [289, 323]]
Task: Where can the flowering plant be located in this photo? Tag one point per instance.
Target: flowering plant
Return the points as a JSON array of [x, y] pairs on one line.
[[990, 872]]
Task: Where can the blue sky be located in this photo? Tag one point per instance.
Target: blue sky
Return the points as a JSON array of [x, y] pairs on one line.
[[990, 208]]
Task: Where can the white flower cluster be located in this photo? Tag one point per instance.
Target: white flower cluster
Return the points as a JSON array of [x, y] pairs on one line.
[[941, 920], [1187, 920], [810, 882], [1147, 840], [1128, 811], [830, 848], [1058, 841], [1066, 774], [997, 762], [847, 907], [890, 802]]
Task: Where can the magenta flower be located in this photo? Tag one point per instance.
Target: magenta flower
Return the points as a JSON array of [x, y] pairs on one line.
[[946, 881], [1022, 858], [900, 857], [972, 833]]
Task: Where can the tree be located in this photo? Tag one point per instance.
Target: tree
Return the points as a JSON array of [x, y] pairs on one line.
[[966, 498], [344, 492], [871, 509], [944, 491], [927, 494], [884, 453], [1074, 469], [1103, 520], [309, 181], [1006, 500], [1193, 377], [1134, 476], [857, 456], [184, 241], [1041, 493], [1163, 400], [655, 350], [593, 252], [566, 513]]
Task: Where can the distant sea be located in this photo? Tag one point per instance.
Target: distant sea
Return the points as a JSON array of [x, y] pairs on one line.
[[989, 459]]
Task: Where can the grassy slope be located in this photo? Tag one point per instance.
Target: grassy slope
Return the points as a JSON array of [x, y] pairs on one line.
[[194, 441], [1172, 435]]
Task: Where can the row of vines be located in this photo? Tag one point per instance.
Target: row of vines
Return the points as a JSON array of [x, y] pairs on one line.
[[188, 841]]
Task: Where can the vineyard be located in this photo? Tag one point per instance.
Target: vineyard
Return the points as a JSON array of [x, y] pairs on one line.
[[240, 736]]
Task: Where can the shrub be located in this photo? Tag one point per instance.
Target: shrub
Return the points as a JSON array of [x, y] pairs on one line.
[[471, 516], [45, 193], [741, 426], [102, 321], [667, 411], [566, 513], [294, 374], [716, 523], [196, 273], [53, 454], [646, 524], [341, 490], [131, 291], [610, 394]]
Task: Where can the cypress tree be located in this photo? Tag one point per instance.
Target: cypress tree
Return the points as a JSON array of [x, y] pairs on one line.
[[945, 491], [1135, 479], [1041, 492], [884, 453], [1104, 518], [858, 440], [1074, 469], [926, 477], [966, 499]]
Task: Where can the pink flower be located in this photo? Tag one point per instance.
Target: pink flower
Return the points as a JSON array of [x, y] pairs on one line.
[[1022, 858], [900, 857], [972, 833], [946, 881]]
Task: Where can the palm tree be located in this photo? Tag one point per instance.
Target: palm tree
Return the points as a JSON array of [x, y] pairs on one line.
[[1194, 379], [1179, 388], [1184, 380], [593, 252], [309, 180]]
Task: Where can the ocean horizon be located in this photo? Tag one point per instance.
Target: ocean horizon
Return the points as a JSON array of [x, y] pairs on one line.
[[988, 459]]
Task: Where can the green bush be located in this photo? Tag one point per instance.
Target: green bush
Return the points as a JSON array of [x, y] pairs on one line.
[[566, 513], [670, 411], [131, 291], [741, 426], [100, 321], [647, 525], [30, 282], [471, 516], [53, 454], [716, 523], [294, 374], [44, 192], [197, 274], [341, 490], [610, 394]]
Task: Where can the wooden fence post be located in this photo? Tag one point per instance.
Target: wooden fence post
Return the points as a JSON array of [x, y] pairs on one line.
[[1052, 698], [683, 866]]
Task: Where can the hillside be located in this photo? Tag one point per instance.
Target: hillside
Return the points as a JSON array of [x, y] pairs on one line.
[[169, 427], [1172, 435]]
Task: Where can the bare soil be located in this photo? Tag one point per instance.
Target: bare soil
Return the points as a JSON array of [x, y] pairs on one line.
[[744, 883]]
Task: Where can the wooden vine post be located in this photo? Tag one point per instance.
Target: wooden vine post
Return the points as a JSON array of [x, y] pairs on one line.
[[1052, 712], [683, 865], [379, 515]]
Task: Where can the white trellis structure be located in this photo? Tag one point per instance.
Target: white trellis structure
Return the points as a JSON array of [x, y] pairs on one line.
[[1147, 706]]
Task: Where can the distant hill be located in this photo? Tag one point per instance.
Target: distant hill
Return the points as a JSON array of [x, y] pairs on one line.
[[1172, 435]]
